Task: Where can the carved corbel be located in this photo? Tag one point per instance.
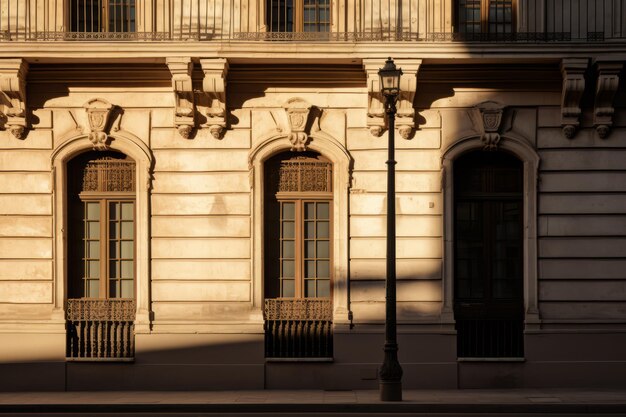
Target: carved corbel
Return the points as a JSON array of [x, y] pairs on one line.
[[573, 71], [13, 93], [376, 108], [405, 117], [298, 112], [214, 86], [185, 111], [608, 81], [489, 123], [99, 117]]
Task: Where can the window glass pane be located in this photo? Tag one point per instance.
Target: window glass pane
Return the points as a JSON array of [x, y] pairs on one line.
[[114, 211], [323, 288], [309, 269], [289, 211], [322, 230], [288, 269], [128, 288], [114, 248], [323, 249], [322, 210], [114, 230], [309, 288], [128, 211], [309, 249], [93, 288], [289, 289], [94, 230], [323, 269], [93, 211], [288, 249], [128, 230], [127, 269], [127, 250], [94, 249], [309, 230], [289, 230], [114, 288], [94, 269], [114, 269], [309, 211]]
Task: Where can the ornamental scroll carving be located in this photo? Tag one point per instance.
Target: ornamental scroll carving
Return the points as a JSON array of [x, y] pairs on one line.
[[573, 71], [376, 121], [608, 82], [98, 116], [488, 124], [214, 87], [298, 115], [13, 96], [182, 84]]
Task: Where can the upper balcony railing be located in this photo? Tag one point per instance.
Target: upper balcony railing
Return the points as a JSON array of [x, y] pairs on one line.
[[314, 20]]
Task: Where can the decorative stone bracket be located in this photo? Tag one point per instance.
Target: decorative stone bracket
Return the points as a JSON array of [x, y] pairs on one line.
[[573, 71], [608, 82], [375, 109], [489, 123], [13, 95], [99, 115], [405, 117], [298, 112], [184, 113], [214, 87]]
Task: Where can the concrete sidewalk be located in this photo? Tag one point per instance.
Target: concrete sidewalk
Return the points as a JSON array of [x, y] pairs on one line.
[[508, 402]]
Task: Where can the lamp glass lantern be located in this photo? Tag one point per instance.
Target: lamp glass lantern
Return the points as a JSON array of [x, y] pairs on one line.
[[390, 78]]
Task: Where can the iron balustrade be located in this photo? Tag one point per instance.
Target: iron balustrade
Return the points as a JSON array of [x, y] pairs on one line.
[[298, 328], [100, 330], [251, 20], [490, 338]]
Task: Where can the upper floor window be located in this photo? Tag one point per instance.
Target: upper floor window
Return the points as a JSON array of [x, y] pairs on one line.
[[486, 16], [102, 16], [298, 15]]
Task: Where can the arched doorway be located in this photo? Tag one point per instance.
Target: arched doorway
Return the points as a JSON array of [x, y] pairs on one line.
[[489, 255], [101, 267], [298, 224]]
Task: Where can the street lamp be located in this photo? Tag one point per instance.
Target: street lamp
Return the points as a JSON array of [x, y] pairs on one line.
[[390, 371]]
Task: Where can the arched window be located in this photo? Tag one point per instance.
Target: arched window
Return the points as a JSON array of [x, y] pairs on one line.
[[488, 255], [101, 255], [298, 255]]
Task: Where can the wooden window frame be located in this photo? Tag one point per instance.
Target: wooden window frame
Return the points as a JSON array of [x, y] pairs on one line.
[[300, 199], [298, 21], [102, 19], [104, 199], [484, 17]]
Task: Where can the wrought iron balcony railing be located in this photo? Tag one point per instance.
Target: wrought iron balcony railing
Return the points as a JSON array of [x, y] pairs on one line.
[[326, 20], [100, 330], [298, 328]]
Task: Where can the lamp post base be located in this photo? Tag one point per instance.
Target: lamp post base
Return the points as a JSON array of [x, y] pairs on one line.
[[390, 390]]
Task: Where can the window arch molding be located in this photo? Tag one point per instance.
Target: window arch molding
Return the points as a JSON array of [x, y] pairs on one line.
[[520, 148], [132, 146], [273, 144]]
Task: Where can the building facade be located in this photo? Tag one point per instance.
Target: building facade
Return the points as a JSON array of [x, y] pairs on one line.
[[193, 193]]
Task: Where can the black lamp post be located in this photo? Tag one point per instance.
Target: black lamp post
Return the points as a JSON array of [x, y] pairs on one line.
[[391, 371]]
